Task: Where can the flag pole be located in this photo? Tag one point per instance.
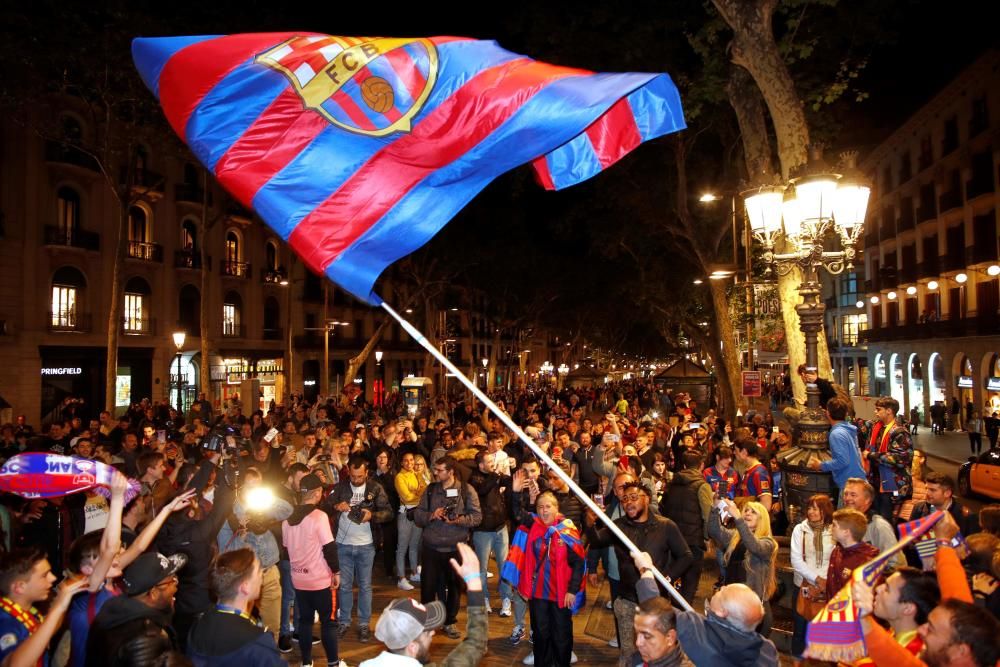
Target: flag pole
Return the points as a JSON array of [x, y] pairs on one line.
[[542, 456]]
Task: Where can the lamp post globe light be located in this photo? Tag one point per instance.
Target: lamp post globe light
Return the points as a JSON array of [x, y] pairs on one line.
[[819, 204], [179, 337]]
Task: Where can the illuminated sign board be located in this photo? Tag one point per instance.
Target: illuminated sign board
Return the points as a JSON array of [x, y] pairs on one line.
[[993, 384], [965, 382], [62, 371]]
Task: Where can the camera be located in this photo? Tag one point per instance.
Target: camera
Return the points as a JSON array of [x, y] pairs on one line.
[[355, 514], [451, 509], [223, 439]]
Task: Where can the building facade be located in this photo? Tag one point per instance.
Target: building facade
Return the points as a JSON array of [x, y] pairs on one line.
[[932, 252]]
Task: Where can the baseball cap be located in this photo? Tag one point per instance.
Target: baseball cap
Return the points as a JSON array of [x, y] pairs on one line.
[[148, 570], [310, 483], [405, 619]]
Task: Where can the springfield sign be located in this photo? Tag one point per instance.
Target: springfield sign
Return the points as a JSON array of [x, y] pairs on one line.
[[62, 371]]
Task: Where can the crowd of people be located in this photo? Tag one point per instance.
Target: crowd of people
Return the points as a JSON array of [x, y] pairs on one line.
[[250, 526]]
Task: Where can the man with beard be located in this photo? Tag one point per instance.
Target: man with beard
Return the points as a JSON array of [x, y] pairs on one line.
[[957, 632], [904, 601], [650, 533], [406, 627]]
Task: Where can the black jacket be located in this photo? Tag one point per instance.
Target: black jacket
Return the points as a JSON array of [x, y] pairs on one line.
[[681, 504], [494, 499], [196, 539], [129, 633], [219, 639], [658, 536]]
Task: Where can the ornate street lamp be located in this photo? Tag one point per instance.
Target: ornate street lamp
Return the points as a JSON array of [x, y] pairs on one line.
[[179, 337], [819, 204]]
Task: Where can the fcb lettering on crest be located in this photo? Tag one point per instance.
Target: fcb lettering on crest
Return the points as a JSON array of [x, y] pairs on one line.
[[368, 85]]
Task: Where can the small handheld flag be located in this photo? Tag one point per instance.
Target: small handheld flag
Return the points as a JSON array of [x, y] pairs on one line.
[[835, 633]]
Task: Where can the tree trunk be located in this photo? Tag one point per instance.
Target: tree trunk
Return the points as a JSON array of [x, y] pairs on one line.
[[115, 307], [204, 304], [755, 49], [729, 368], [431, 329], [356, 362]]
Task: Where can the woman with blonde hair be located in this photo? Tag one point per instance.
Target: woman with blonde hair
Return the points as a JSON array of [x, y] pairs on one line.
[[752, 552], [410, 485]]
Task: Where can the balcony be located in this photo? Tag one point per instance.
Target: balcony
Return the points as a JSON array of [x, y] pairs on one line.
[[62, 153], [984, 325], [233, 330], [979, 186], [147, 252], [950, 200], [191, 193], [138, 326], [235, 269], [273, 333], [955, 261], [926, 212], [908, 273], [68, 321], [929, 268], [189, 259], [146, 181], [309, 341], [72, 238], [982, 253], [271, 277]]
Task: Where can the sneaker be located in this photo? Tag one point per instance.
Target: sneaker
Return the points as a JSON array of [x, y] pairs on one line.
[[572, 658], [607, 605], [342, 630], [489, 607], [364, 634], [489, 575], [451, 632], [516, 635], [613, 643], [285, 644], [505, 608], [415, 577], [529, 659], [404, 585]]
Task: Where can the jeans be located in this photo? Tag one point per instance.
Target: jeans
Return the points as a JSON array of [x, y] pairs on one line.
[[356, 562], [625, 617], [310, 603], [690, 579], [484, 542], [520, 609], [408, 536], [287, 598]]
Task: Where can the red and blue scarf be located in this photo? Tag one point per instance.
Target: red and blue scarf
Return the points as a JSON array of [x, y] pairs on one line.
[[537, 564]]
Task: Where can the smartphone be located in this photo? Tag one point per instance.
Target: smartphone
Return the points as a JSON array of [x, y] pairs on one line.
[[271, 435], [723, 489], [161, 436], [774, 429], [598, 500]]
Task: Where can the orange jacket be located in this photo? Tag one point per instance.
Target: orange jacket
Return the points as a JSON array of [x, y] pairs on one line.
[[885, 650]]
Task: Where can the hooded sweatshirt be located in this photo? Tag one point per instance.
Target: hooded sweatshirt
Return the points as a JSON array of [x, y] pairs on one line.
[[846, 461], [222, 639], [311, 549], [712, 641]]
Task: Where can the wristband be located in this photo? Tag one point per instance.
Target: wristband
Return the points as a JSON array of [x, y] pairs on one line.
[[469, 577]]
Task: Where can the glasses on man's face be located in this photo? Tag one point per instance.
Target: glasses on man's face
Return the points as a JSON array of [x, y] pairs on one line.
[[633, 497], [440, 471]]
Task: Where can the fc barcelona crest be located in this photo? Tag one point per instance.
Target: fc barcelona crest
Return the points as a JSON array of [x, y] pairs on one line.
[[373, 86]]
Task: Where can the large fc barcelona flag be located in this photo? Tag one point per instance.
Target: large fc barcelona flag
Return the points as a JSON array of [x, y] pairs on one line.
[[357, 150]]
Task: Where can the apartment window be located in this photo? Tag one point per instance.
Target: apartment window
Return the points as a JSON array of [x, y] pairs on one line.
[[980, 116], [905, 168], [887, 178], [67, 292], [189, 235], [133, 312], [135, 317], [950, 141], [926, 153], [271, 255], [67, 213], [138, 225], [232, 246], [851, 328], [231, 307]]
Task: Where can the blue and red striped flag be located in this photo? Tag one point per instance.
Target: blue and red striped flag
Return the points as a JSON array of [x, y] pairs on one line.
[[835, 633], [357, 150]]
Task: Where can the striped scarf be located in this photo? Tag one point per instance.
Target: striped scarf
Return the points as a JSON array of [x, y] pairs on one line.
[[537, 568]]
